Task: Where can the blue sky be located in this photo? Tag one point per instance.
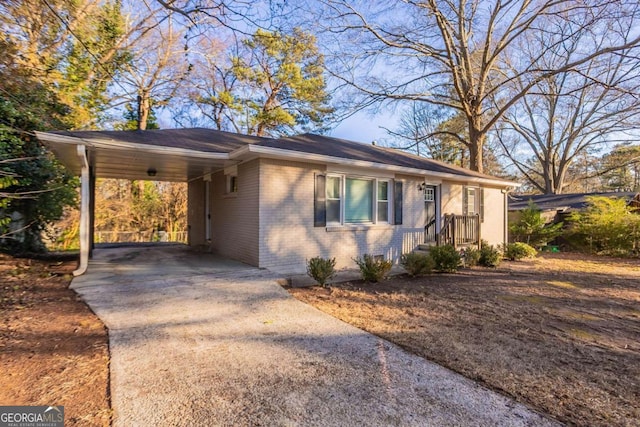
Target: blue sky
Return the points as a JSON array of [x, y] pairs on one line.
[[365, 127]]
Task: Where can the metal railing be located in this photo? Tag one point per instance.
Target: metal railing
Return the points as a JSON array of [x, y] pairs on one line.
[[460, 230]]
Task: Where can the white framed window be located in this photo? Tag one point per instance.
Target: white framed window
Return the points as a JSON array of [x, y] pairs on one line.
[[357, 200], [473, 201], [232, 184], [429, 194], [334, 199], [471, 207], [383, 201]]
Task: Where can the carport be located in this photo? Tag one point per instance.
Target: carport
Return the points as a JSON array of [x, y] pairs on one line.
[[178, 155]]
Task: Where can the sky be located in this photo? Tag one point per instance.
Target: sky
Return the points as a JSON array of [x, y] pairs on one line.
[[366, 127]]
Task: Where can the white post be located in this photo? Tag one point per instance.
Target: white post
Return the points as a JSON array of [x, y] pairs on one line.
[[85, 244]]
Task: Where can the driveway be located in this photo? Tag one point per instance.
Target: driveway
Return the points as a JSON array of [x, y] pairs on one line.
[[196, 340]]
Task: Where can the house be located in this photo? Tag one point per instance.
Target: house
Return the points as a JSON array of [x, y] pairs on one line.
[[274, 203], [556, 208]]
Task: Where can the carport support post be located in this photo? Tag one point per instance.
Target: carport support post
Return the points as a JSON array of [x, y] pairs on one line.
[[85, 222], [92, 209]]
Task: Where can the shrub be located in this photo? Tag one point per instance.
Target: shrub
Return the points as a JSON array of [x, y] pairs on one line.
[[517, 251], [445, 258], [532, 229], [417, 264], [607, 226], [373, 269], [490, 256], [321, 269], [471, 257]]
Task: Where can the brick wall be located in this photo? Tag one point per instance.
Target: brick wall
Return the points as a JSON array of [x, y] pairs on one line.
[[288, 237], [234, 216]]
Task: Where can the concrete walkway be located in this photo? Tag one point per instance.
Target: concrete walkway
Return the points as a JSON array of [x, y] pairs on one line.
[[200, 341]]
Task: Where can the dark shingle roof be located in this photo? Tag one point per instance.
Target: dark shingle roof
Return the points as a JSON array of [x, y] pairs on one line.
[[561, 202], [341, 148], [214, 141], [198, 139]]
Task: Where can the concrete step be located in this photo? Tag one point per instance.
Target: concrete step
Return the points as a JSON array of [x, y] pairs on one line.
[[425, 246]]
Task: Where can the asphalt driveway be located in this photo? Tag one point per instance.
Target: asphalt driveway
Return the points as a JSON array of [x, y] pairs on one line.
[[196, 340]]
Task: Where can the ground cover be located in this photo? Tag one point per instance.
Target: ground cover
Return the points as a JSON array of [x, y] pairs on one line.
[[53, 349], [559, 333]]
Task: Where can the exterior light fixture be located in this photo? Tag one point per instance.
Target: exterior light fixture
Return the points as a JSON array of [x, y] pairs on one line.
[[151, 172]]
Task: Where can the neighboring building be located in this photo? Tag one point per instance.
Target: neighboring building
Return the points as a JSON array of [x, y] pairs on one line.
[[556, 208], [274, 203]]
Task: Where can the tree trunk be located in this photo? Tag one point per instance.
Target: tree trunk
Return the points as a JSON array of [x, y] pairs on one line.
[[143, 110], [476, 146]]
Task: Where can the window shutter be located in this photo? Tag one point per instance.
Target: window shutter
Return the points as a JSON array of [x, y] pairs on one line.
[[397, 202], [481, 195], [319, 202], [465, 201]]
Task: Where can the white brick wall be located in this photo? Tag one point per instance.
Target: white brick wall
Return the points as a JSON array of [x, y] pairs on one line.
[[288, 237], [234, 217], [269, 222]]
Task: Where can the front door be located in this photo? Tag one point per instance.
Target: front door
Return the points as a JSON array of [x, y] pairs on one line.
[[430, 201]]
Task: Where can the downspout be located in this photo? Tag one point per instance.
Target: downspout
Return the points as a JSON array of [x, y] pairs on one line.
[[506, 191], [85, 244]]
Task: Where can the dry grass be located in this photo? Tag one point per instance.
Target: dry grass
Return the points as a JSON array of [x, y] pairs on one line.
[[53, 349], [560, 333]]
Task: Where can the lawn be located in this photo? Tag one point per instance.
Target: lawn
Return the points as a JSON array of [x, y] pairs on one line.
[[560, 333], [53, 349]]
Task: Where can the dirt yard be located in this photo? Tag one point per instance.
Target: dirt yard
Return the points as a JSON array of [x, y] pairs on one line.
[[53, 349], [560, 333]]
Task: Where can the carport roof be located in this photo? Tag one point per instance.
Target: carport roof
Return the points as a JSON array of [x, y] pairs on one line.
[[185, 154]]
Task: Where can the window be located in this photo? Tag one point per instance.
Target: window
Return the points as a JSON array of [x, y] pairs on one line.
[[334, 196], [232, 184], [383, 201], [429, 194], [356, 200], [471, 207], [473, 201]]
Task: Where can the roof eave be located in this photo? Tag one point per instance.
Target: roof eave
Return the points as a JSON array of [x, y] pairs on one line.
[[110, 144], [252, 151]]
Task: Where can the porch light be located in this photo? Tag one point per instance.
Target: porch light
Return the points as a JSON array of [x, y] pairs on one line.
[[422, 186], [151, 172]]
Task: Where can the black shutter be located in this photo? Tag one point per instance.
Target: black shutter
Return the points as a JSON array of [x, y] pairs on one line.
[[397, 203], [320, 202]]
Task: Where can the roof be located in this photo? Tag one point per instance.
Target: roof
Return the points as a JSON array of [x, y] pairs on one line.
[[185, 154], [345, 149], [197, 139], [562, 202]]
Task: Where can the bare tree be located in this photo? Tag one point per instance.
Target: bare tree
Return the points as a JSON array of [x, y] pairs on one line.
[[454, 53], [568, 116], [158, 65]]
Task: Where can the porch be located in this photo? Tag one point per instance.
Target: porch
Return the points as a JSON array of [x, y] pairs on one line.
[[460, 231]]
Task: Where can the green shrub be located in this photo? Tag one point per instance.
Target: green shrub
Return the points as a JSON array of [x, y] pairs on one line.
[[471, 257], [517, 251], [321, 269], [417, 264], [490, 256], [445, 258], [531, 227], [373, 269], [607, 226]]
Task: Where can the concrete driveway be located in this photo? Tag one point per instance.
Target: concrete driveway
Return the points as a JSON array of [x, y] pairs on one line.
[[196, 340]]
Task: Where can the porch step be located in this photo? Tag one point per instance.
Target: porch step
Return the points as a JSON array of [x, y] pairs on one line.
[[424, 247]]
